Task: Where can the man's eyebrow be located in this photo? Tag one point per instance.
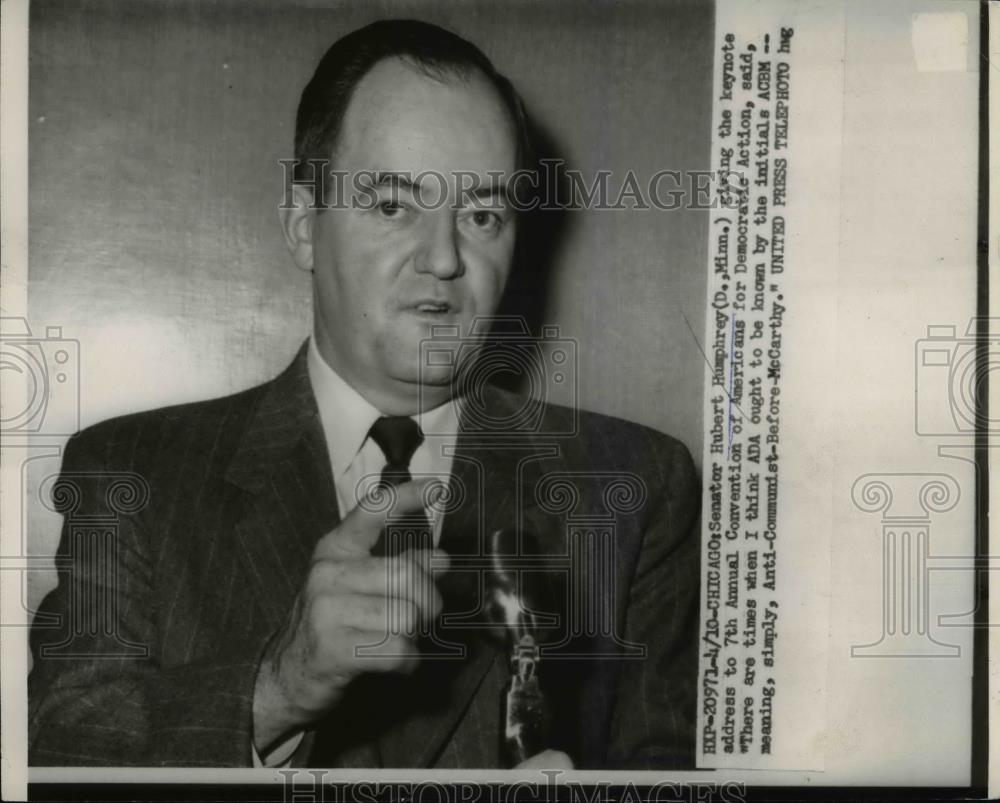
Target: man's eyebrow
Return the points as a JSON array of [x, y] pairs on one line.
[[493, 191], [388, 178]]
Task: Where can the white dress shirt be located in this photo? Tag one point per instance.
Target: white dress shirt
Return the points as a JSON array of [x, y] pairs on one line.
[[356, 461]]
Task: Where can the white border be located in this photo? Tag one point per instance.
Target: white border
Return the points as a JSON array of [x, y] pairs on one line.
[[13, 302]]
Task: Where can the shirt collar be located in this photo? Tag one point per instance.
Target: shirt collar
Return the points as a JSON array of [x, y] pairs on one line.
[[347, 416]]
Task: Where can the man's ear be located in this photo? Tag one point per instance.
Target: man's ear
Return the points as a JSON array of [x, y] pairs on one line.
[[296, 222]]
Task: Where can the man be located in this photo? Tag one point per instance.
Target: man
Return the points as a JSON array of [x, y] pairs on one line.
[[260, 611]]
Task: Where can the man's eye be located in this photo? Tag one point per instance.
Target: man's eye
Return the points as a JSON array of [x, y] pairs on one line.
[[391, 209], [488, 221]]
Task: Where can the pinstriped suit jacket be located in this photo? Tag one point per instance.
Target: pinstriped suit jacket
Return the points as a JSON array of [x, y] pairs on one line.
[[145, 654]]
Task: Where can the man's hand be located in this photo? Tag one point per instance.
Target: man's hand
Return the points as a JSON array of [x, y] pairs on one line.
[[348, 600], [547, 760]]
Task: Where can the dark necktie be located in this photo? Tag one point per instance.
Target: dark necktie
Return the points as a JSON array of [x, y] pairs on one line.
[[398, 437]]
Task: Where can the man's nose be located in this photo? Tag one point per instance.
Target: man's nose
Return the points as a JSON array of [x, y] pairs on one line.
[[439, 255]]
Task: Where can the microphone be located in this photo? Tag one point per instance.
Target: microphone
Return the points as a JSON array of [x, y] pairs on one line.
[[514, 598]]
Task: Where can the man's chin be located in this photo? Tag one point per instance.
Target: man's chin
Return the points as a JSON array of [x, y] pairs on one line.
[[412, 354], [410, 367], [435, 378]]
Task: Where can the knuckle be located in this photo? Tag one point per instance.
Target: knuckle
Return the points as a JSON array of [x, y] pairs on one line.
[[346, 652], [323, 608], [321, 577], [397, 575], [423, 599], [399, 616], [376, 611], [430, 599]]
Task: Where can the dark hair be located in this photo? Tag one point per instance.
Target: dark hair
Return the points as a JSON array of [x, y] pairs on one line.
[[428, 47]]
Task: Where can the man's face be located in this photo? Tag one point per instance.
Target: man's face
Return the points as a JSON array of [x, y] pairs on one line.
[[383, 276]]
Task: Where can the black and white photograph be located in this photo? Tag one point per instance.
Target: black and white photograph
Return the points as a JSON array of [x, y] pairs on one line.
[[400, 397]]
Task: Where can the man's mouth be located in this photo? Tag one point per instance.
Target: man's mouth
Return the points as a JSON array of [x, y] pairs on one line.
[[432, 307]]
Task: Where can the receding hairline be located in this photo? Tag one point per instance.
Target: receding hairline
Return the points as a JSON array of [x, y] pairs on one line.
[[428, 50], [440, 72]]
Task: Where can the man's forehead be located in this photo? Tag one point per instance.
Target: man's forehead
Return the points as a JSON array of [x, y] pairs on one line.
[[403, 120]]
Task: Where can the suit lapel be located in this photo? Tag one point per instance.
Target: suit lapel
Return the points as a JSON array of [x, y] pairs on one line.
[[283, 467]]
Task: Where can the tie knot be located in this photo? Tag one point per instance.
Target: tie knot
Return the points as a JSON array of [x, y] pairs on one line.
[[398, 436]]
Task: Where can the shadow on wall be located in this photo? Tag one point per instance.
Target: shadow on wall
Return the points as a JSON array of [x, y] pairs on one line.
[[541, 235]]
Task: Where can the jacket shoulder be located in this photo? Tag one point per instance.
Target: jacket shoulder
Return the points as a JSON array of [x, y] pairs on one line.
[[129, 440], [662, 464], [606, 442]]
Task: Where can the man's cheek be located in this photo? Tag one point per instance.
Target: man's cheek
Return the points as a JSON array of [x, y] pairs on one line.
[[500, 262], [487, 276]]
